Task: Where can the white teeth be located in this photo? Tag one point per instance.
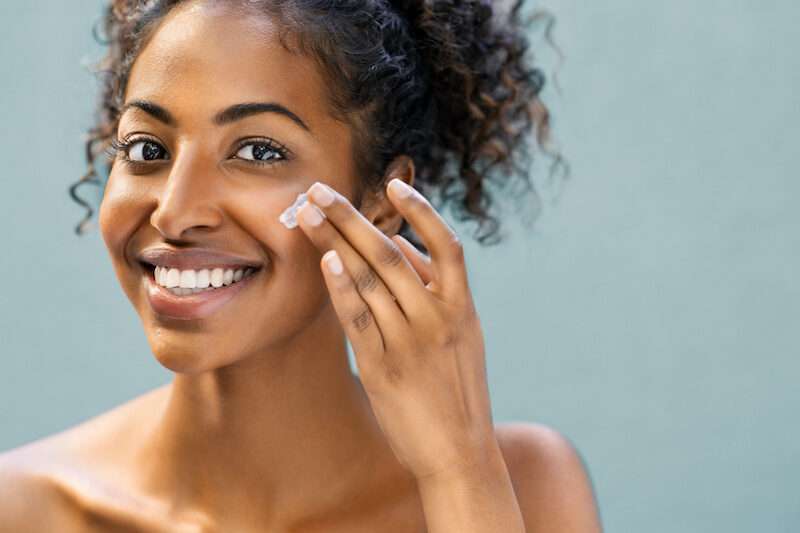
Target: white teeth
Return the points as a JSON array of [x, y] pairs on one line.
[[188, 279], [182, 282], [216, 277], [203, 279], [173, 278], [180, 291]]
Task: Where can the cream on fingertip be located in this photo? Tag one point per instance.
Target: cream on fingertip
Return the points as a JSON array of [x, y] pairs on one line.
[[289, 216]]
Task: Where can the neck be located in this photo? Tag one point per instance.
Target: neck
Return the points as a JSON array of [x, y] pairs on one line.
[[284, 434]]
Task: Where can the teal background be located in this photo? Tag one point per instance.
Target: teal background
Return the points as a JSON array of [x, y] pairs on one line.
[[651, 314]]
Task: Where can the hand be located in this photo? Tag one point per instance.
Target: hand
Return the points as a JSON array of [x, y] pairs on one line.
[[413, 327]]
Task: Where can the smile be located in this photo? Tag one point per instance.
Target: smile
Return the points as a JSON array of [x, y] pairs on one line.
[[194, 294], [184, 282]]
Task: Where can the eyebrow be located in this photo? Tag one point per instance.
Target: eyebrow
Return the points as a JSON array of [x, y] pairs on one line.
[[226, 116]]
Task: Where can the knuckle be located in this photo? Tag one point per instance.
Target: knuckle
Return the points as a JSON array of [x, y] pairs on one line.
[[366, 280], [380, 376], [387, 370], [455, 246], [362, 320], [393, 374], [446, 337], [390, 254]]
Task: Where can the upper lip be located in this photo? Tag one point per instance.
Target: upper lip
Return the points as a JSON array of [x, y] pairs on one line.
[[194, 259]]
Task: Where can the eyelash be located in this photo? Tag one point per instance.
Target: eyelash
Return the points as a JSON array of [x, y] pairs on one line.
[[123, 146]]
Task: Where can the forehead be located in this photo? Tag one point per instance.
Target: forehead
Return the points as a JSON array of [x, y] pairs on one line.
[[203, 57]]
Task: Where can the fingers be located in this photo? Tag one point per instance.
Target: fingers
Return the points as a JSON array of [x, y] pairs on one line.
[[354, 314], [380, 252], [447, 252], [370, 308], [420, 261]]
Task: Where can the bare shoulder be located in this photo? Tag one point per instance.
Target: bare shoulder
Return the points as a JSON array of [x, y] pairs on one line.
[[29, 500], [550, 478], [46, 484]]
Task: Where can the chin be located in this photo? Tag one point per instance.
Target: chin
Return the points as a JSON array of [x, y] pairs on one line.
[[186, 353]]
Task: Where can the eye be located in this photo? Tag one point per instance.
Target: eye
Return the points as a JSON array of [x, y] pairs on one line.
[[138, 150], [145, 151], [261, 152]]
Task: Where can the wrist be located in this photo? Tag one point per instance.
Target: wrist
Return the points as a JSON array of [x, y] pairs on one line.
[[475, 495], [477, 465]]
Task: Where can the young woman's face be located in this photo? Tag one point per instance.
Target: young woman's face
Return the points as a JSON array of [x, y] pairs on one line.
[[218, 182]]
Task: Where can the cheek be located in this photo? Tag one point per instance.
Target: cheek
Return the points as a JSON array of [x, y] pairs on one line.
[[124, 204], [295, 260], [258, 212]]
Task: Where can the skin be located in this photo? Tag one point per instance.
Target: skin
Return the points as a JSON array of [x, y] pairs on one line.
[[264, 427]]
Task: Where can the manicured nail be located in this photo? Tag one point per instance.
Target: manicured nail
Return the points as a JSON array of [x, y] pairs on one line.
[[400, 188], [312, 215], [321, 194], [333, 262]]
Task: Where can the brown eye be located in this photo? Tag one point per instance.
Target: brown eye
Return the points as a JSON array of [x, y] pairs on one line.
[[144, 150], [261, 152]]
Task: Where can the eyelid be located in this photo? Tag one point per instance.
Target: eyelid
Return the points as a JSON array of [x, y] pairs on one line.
[[272, 143]]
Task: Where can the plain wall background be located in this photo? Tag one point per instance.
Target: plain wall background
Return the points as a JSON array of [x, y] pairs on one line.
[[651, 315]]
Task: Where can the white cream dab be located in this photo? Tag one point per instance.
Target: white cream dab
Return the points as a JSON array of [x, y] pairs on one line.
[[289, 217]]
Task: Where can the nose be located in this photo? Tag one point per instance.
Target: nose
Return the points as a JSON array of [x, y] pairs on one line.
[[187, 202]]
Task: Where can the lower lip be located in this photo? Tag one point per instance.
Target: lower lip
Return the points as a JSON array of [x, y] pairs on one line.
[[192, 306]]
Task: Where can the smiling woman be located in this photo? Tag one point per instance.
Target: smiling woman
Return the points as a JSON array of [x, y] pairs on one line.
[[217, 116]]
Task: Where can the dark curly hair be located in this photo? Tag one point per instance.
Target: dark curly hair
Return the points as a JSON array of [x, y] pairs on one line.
[[445, 82]]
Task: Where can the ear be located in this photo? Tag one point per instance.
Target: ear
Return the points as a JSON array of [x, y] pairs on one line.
[[380, 210]]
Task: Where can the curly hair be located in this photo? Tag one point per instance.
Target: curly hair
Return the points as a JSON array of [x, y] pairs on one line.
[[446, 82]]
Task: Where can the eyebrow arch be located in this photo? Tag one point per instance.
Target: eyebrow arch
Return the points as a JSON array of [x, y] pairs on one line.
[[226, 116], [240, 111]]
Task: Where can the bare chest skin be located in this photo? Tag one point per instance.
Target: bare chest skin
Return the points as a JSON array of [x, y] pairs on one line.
[[86, 496], [111, 518], [105, 521], [96, 505], [80, 497]]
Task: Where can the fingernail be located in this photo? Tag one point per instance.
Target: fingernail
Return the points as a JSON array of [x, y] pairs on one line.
[[333, 262], [312, 215], [321, 194], [400, 188]]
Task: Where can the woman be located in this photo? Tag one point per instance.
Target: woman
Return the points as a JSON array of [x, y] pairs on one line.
[[220, 115]]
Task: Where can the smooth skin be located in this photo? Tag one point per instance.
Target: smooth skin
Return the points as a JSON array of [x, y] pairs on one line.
[[264, 427]]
